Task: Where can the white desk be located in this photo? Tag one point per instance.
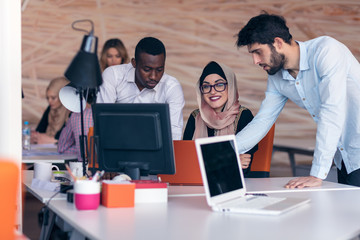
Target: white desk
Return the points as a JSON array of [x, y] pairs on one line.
[[42, 195], [260, 185], [48, 158], [45, 153], [191, 218]]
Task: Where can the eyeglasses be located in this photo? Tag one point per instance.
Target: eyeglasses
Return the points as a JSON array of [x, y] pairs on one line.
[[219, 87]]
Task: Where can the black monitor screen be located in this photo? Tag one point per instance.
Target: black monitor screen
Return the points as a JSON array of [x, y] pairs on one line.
[[129, 136], [221, 167]]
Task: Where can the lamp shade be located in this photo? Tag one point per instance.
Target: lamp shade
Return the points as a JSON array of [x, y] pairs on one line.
[[69, 97], [84, 70]]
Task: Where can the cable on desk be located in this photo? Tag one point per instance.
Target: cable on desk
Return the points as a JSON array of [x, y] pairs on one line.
[[43, 216]]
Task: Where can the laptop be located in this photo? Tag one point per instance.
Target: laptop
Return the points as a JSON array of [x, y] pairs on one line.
[[224, 184], [186, 165]]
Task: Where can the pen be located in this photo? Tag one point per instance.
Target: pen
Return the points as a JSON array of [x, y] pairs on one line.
[[71, 174], [95, 176], [101, 174]]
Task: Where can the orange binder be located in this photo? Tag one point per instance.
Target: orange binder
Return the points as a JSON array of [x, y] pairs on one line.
[[186, 165]]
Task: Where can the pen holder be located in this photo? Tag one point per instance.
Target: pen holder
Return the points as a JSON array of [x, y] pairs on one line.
[[87, 194]]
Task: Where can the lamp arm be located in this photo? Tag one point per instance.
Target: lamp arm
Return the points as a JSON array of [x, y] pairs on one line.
[[83, 144], [91, 32]]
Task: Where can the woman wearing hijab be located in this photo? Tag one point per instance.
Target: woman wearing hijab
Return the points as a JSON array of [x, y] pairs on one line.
[[220, 112], [54, 117]]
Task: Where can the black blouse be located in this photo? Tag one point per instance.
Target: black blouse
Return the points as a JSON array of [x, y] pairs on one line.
[[44, 122], [245, 118]]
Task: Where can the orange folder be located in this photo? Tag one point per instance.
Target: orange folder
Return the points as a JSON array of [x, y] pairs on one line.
[[186, 165]]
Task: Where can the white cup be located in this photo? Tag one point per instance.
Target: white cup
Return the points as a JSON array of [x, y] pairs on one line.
[[43, 170], [76, 169]]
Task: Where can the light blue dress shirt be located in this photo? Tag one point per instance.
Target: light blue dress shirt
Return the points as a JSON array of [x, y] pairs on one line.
[[328, 87]]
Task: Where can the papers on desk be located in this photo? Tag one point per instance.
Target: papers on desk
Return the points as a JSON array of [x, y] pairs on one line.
[[49, 146], [41, 150], [45, 185], [31, 153]]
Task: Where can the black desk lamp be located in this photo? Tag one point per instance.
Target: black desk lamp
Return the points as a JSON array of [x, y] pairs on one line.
[[84, 73]]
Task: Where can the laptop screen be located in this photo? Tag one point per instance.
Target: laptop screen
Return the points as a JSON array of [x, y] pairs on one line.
[[221, 167]]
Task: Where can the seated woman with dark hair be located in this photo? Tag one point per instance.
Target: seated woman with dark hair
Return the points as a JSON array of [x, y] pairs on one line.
[[220, 112], [54, 117]]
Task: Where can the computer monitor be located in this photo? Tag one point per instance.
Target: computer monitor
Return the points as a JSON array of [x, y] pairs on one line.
[[134, 138]]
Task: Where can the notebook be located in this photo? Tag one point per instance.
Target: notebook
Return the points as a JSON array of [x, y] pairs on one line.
[[186, 165], [224, 184]]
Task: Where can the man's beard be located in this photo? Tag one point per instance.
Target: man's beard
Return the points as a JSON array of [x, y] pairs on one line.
[[277, 61]]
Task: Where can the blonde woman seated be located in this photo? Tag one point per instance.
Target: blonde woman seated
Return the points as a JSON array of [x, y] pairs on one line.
[[113, 53], [54, 117], [220, 112]]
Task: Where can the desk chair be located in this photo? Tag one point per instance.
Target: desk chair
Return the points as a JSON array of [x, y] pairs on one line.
[[260, 166], [186, 165], [291, 151], [9, 183]]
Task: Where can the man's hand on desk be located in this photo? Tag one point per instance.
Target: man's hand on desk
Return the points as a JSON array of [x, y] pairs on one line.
[[302, 182]]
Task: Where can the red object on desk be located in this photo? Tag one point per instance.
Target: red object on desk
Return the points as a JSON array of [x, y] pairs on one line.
[[148, 184]]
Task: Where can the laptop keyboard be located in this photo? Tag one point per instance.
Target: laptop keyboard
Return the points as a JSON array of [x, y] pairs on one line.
[[255, 202]]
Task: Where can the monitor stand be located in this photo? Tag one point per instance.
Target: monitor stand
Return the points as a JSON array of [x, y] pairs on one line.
[[134, 169]]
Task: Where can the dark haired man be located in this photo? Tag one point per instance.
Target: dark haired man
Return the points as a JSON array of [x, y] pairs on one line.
[[144, 81], [320, 75]]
